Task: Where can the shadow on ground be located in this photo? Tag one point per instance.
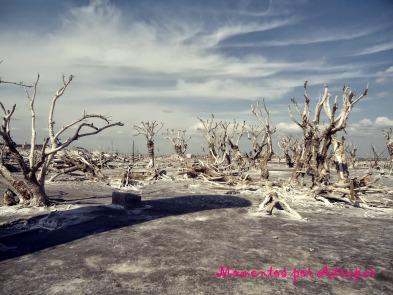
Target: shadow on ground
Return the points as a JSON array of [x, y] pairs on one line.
[[41, 232]]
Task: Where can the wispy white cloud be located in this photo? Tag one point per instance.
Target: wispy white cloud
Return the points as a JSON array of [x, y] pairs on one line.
[[384, 76], [97, 44], [367, 126], [103, 48], [288, 128], [231, 30], [376, 48], [306, 39]]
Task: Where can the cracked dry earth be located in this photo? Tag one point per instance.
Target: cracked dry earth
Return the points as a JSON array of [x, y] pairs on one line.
[[177, 241]]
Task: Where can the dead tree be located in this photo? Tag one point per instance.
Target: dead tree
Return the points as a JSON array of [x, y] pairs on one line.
[[179, 141], [31, 186], [216, 135], [261, 137], [351, 150], [317, 136], [149, 130], [290, 148], [255, 136], [376, 157], [210, 132], [234, 133], [226, 161]]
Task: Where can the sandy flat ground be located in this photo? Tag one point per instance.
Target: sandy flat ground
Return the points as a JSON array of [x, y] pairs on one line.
[[183, 232]]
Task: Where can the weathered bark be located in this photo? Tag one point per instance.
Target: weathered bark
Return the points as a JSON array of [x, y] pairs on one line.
[[10, 198], [29, 191], [340, 160], [264, 170]]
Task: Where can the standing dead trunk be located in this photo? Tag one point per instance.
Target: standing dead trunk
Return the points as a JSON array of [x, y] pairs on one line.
[[340, 160], [351, 149], [389, 144], [288, 160], [150, 150], [264, 170], [29, 191], [261, 136], [179, 151]]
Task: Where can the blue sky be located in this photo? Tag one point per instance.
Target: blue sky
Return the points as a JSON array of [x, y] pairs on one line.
[[175, 60]]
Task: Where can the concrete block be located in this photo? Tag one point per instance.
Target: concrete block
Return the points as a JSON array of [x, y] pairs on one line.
[[127, 200]]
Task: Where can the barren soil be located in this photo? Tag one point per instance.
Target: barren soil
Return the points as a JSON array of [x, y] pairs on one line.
[[177, 240]]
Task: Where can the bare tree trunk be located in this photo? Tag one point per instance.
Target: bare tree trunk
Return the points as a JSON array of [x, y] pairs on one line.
[[340, 160], [30, 192], [288, 160], [150, 149], [179, 151], [264, 170]]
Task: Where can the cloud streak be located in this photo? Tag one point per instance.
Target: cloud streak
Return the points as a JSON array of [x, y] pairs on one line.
[[381, 47], [321, 37]]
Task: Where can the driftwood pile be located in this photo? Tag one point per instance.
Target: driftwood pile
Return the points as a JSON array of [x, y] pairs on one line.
[[90, 164]]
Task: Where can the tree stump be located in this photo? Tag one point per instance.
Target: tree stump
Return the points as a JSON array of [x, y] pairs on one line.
[[272, 201]]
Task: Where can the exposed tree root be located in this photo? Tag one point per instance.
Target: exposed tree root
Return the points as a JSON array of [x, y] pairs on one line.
[[272, 200]]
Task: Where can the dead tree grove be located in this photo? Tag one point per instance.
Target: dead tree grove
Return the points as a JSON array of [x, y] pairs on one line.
[[223, 140], [30, 188]]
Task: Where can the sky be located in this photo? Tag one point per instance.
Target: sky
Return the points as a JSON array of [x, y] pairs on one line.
[[174, 61]]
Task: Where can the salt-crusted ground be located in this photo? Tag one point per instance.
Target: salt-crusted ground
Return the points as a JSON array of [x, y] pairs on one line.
[[183, 232]]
